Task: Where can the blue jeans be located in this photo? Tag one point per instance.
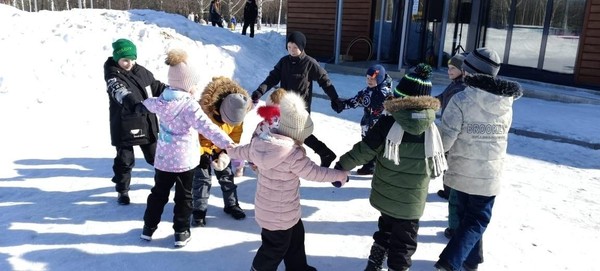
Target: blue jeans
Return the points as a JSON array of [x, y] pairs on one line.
[[465, 246]]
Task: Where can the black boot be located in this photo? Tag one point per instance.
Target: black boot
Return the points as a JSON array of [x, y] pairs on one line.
[[327, 156], [123, 198], [199, 218], [376, 257]]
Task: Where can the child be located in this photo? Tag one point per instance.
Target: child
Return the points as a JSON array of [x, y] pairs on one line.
[[176, 153], [408, 151], [128, 84], [475, 134], [296, 73], [455, 74], [226, 103], [281, 161], [371, 98]]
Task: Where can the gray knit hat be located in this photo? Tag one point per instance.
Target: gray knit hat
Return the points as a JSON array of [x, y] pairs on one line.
[[482, 60], [234, 108], [294, 122], [457, 60]]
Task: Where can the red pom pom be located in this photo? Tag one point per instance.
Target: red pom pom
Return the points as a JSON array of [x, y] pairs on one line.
[[268, 112]]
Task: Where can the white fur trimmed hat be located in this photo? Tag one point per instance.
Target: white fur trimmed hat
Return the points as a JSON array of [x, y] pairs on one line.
[[295, 121], [182, 75]]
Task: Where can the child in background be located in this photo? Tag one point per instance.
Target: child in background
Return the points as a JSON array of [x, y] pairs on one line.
[[408, 151], [371, 98], [226, 103], [281, 160], [455, 74], [474, 131], [176, 152]]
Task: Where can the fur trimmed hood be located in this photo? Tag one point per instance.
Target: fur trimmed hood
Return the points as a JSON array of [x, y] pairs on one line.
[[411, 103], [413, 113], [216, 91], [494, 85]]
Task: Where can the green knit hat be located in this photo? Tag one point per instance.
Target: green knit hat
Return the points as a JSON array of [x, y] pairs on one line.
[[124, 48]]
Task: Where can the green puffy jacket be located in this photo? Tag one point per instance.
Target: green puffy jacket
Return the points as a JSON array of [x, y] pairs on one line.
[[399, 190]]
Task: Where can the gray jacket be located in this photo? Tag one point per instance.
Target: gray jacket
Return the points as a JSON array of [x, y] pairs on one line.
[[474, 132]]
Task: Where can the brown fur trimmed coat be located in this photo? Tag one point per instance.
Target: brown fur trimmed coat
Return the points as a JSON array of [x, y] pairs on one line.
[[210, 102]]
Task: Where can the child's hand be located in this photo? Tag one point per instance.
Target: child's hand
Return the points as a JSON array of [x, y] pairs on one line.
[[339, 184], [338, 105]]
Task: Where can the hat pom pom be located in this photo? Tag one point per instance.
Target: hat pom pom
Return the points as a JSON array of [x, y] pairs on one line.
[[268, 112], [176, 56], [423, 71]]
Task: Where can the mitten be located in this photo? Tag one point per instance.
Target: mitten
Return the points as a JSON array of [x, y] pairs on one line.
[[140, 108], [204, 161], [339, 184], [338, 105], [256, 96], [221, 162]]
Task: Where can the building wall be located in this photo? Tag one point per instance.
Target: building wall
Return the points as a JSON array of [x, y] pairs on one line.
[[587, 70], [316, 19]]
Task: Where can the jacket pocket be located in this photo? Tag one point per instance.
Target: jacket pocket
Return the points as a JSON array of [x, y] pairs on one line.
[[134, 130]]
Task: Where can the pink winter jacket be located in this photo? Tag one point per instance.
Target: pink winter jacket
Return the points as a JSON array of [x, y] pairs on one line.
[[281, 163]]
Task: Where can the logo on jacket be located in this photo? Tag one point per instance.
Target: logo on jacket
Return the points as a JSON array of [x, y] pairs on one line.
[[137, 133]]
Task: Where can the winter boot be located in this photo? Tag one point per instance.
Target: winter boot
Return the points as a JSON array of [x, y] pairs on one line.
[[199, 218], [235, 211], [147, 233], [376, 258], [123, 198], [469, 267], [182, 238], [365, 170]]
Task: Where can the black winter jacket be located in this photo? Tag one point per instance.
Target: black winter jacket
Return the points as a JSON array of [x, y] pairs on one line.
[[296, 74], [250, 12], [126, 90]]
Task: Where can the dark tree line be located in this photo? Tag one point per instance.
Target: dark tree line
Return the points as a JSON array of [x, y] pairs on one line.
[[268, 9]]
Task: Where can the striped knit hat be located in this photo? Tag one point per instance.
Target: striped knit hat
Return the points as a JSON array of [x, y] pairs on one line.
[[482, 60], [416, 83]]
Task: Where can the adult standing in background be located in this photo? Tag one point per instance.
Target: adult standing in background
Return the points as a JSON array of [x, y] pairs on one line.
[[128, 84], [215, 13], [250, 15]]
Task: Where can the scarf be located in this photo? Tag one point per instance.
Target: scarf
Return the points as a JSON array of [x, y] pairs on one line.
[[434, 149]]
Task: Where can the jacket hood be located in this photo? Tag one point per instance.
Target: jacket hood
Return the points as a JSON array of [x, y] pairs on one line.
[[494, 85], [493, 95], [413, 113], [215, 92], [271, 150], [172, 103]]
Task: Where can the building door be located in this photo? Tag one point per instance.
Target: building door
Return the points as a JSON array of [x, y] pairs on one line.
[[421, 39]]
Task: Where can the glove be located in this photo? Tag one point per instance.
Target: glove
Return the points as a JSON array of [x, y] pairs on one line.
[[338, 105], [256, 96], [221, 162], [204, 161], [140, 108], [339, 184]]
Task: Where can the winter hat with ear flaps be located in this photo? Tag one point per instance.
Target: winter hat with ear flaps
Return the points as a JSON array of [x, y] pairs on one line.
[[378, 72], [297, 38], [294, 122], [482, 60], [234, 108], [182, 75], [124, 48]]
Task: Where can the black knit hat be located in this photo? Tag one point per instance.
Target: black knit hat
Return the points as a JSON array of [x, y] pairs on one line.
[[416, 83], [298, 38]]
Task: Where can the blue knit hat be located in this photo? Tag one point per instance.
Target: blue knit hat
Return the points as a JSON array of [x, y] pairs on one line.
[[378, 72]]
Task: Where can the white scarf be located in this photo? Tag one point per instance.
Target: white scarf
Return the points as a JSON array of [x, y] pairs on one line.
[[433, 147]]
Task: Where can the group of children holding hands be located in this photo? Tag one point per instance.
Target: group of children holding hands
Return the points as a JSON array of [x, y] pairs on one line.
[[401, 146]]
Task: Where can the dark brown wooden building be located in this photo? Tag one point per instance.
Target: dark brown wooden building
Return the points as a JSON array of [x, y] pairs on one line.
[[544, 40]]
